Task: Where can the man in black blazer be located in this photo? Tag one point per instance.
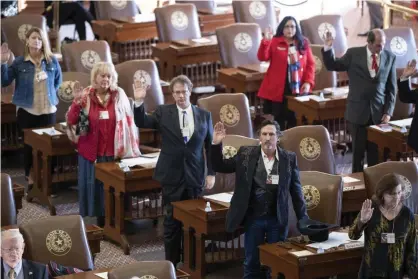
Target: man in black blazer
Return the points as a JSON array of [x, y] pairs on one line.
[[265, 176], [372, 90], [12, 264], [407, 95], [186, 131]]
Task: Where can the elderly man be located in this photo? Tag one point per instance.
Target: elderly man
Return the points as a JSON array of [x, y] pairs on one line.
[[12, 264]]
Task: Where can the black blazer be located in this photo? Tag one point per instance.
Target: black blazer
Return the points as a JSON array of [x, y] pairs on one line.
[[407, 95], [243, 164], [179, 160], [31, 270]]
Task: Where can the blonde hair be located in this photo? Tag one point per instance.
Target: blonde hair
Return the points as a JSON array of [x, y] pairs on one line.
[[12, 234], [104, 68], [45, 45]]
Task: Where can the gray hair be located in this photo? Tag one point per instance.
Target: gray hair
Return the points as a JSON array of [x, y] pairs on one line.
[[104, 67], [12, 234]]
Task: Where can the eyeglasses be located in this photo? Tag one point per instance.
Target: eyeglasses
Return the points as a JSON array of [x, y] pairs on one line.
[[290, 26], [182, 92], [10, 250]]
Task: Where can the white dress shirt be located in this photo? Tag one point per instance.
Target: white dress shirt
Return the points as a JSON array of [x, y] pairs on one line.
[[268, 164], [189, 117]]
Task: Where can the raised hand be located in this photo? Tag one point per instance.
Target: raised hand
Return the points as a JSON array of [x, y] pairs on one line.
[[410, 69], [77, 90], [5, 53], [218, 133], [366, 211], [139, 91], [268, 33], [328, 39]]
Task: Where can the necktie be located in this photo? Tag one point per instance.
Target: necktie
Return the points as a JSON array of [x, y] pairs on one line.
[[185, 125], [374, 63], [12, 274]]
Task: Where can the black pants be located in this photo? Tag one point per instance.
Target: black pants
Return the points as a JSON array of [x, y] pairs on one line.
[[25, 120], [281, 113], [173, 228], [72, 12], [360, 145]]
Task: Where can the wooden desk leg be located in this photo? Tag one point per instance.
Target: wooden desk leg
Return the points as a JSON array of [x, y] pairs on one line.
[[36, 175], [381, 154], [200, 265], [186, 249], [299, 120]]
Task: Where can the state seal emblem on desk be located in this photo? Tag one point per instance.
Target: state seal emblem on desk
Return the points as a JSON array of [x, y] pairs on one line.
[[257, 9], [398, 46], [58, 242], [325, 27], [89, 58], [65, 91], [146, 277], [310, 148], [118, 4], [243, 42], [229, 115], [311, 195], [143, 78], [179, 20], [22, 30], [318, 64], [407, 187], [229, 151]]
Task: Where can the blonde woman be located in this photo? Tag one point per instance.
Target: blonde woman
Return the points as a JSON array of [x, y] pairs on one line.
[[38, 76], [109, 134]]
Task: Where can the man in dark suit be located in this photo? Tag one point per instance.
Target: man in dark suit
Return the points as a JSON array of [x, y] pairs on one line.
[[12, 264], [372, 90], [186, 131], [407, 95], [265, 176]]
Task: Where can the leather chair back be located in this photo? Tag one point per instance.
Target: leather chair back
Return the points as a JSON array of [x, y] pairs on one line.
[[232, 109], [409, 173], [81, 56], [260, 12], [402, 110], [8, 205], [16, 27], [177, 22], [401, 42], [145, 72], [106, 10], [323, 196], [7, 92], [238, 44], [65, 92], [315, 27], [207, 5], [61, 239], [323, 77], [312, 146], [151, 270], [225, 182]]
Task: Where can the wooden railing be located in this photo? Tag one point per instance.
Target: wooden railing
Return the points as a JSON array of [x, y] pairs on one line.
[[388, 6]]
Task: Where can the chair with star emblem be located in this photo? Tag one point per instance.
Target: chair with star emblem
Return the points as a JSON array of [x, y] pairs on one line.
[[323, 77], [232, 110], [106, 10], [238, 44], [145, 269], [81, 56], [177, 22], [401, 42], [261, 12], [312, 146], [323, 195], [16, 27], [145, 73], [61, 239], [409, 174]]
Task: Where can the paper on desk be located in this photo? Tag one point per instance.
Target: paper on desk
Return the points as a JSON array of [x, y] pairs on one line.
[[102, 275], [144, 18], [301, 253], [302, 98], [142, 161], [348, 179], [335, 239], [49, 131], [383, 128], [201, 40], [221, 197]]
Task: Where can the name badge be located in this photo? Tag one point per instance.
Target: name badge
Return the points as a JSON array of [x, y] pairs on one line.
[[272, 179], [185, 132], [292, 49], [41, 76], [388, 238], [104, 115], [281, 48]]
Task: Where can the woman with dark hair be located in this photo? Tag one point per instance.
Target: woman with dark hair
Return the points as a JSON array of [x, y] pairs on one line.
[[291, 70], [390, 238]]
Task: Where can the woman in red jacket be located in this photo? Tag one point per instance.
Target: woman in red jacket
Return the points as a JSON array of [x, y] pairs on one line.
[[291, 70]]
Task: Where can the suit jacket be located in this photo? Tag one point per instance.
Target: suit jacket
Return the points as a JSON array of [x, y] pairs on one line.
[[367, 96], [177, 159], [407, 95], [244, 165], [31, 270]]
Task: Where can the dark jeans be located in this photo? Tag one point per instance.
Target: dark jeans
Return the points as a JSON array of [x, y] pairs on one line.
[[256, 232], [285, 117], [173, 228], [25, 120]]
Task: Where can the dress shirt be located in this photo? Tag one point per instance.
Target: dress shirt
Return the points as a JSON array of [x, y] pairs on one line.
[[18, 270], [190, 120], [268, 164]]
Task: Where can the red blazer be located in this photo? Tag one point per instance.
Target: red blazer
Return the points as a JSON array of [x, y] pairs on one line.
[[275, 51]]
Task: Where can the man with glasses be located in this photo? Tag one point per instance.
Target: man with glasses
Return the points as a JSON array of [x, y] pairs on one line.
[[186, 131], [12, 264]]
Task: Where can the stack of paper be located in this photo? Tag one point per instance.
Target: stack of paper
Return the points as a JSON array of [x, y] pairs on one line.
[[221, 197], [102, 275], [401, 125], [202, 40], [146, 161], [49, 131], [335, 239]]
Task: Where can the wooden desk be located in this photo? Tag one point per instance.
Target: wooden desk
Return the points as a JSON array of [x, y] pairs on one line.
[[211, 20], [174, 56], [394, 141], [94, 236], [336, 262], [118, 186], [240, 80], [354, 193]]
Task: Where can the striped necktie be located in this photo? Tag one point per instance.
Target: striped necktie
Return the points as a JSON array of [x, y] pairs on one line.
[[12, 274]]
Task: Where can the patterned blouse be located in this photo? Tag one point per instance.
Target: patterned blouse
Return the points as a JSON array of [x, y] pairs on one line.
[[384, 260]]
